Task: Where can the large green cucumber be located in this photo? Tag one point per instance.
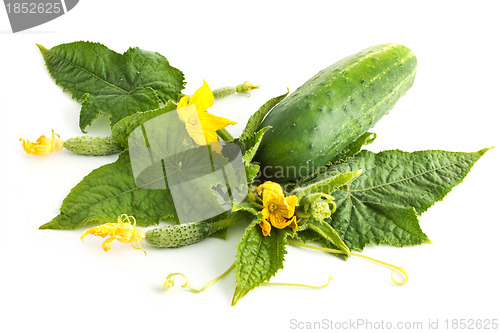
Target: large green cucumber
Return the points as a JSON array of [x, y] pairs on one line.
[[332, 109]]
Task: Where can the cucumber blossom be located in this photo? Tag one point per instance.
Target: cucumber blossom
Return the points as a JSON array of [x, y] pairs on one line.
[[332, 109]]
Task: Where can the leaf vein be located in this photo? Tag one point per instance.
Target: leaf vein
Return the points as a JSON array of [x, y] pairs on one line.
[[92, 74], [402, 180]]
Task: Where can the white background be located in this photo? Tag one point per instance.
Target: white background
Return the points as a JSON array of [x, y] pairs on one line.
[[50, 280]]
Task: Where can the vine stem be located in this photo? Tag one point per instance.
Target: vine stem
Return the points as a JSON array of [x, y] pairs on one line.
[[225, 135], [169, 282], [349, 253]]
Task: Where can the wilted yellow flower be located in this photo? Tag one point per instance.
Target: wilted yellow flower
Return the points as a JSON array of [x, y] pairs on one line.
[[278, 210], [201, 125], [44, 145], [125, 232]]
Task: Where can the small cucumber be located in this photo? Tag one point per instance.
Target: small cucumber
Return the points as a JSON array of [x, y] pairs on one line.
[[90, 145], [331, 110], [190, 233]]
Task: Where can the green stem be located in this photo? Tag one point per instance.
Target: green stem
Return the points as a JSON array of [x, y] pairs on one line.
[[229, 221], [225, 135], [169, 282], [349, 253]]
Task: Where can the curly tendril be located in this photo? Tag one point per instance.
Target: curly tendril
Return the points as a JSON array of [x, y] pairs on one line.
[[394, 268]]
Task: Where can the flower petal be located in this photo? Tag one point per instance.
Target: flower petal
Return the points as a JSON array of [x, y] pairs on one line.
[[211, 124], [106, 245], [201, 125], [265, 213], [183, 102], [273, 198], [290, 203], [291, 200], [293, 223], [270, 186], [278, 221], [185, 111], [125, 232], [266, 227], [196, 133], [203, 98], [44, 145]]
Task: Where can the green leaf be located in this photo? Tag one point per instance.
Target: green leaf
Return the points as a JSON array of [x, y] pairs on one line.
[[327, 233], [307, 236], [248, 207], [362, 223], [221, 234], [252, 171], [251, 145], [354, 148], [255, 120], [108, 192], [326, 185], [258, 258], [113, 84], [122, 129], [382, 204]]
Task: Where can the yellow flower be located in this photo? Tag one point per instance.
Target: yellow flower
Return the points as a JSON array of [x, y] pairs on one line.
[[125, 232], [266, 227], [270, 187], [200, 125], [278, 210], [44, 145]]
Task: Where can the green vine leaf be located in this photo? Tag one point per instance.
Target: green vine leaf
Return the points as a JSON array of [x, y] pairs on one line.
[[113, 84], [258, 258], [255, 120], [122, 129], [108, 192], [248, 207], [326, 185], [252, 144], [327, 233], [382, 204], [354, 148]]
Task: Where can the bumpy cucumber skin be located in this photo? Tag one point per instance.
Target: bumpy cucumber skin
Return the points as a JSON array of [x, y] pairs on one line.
[[95, 146], [332, 109], [190, 233], [179, 235]]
